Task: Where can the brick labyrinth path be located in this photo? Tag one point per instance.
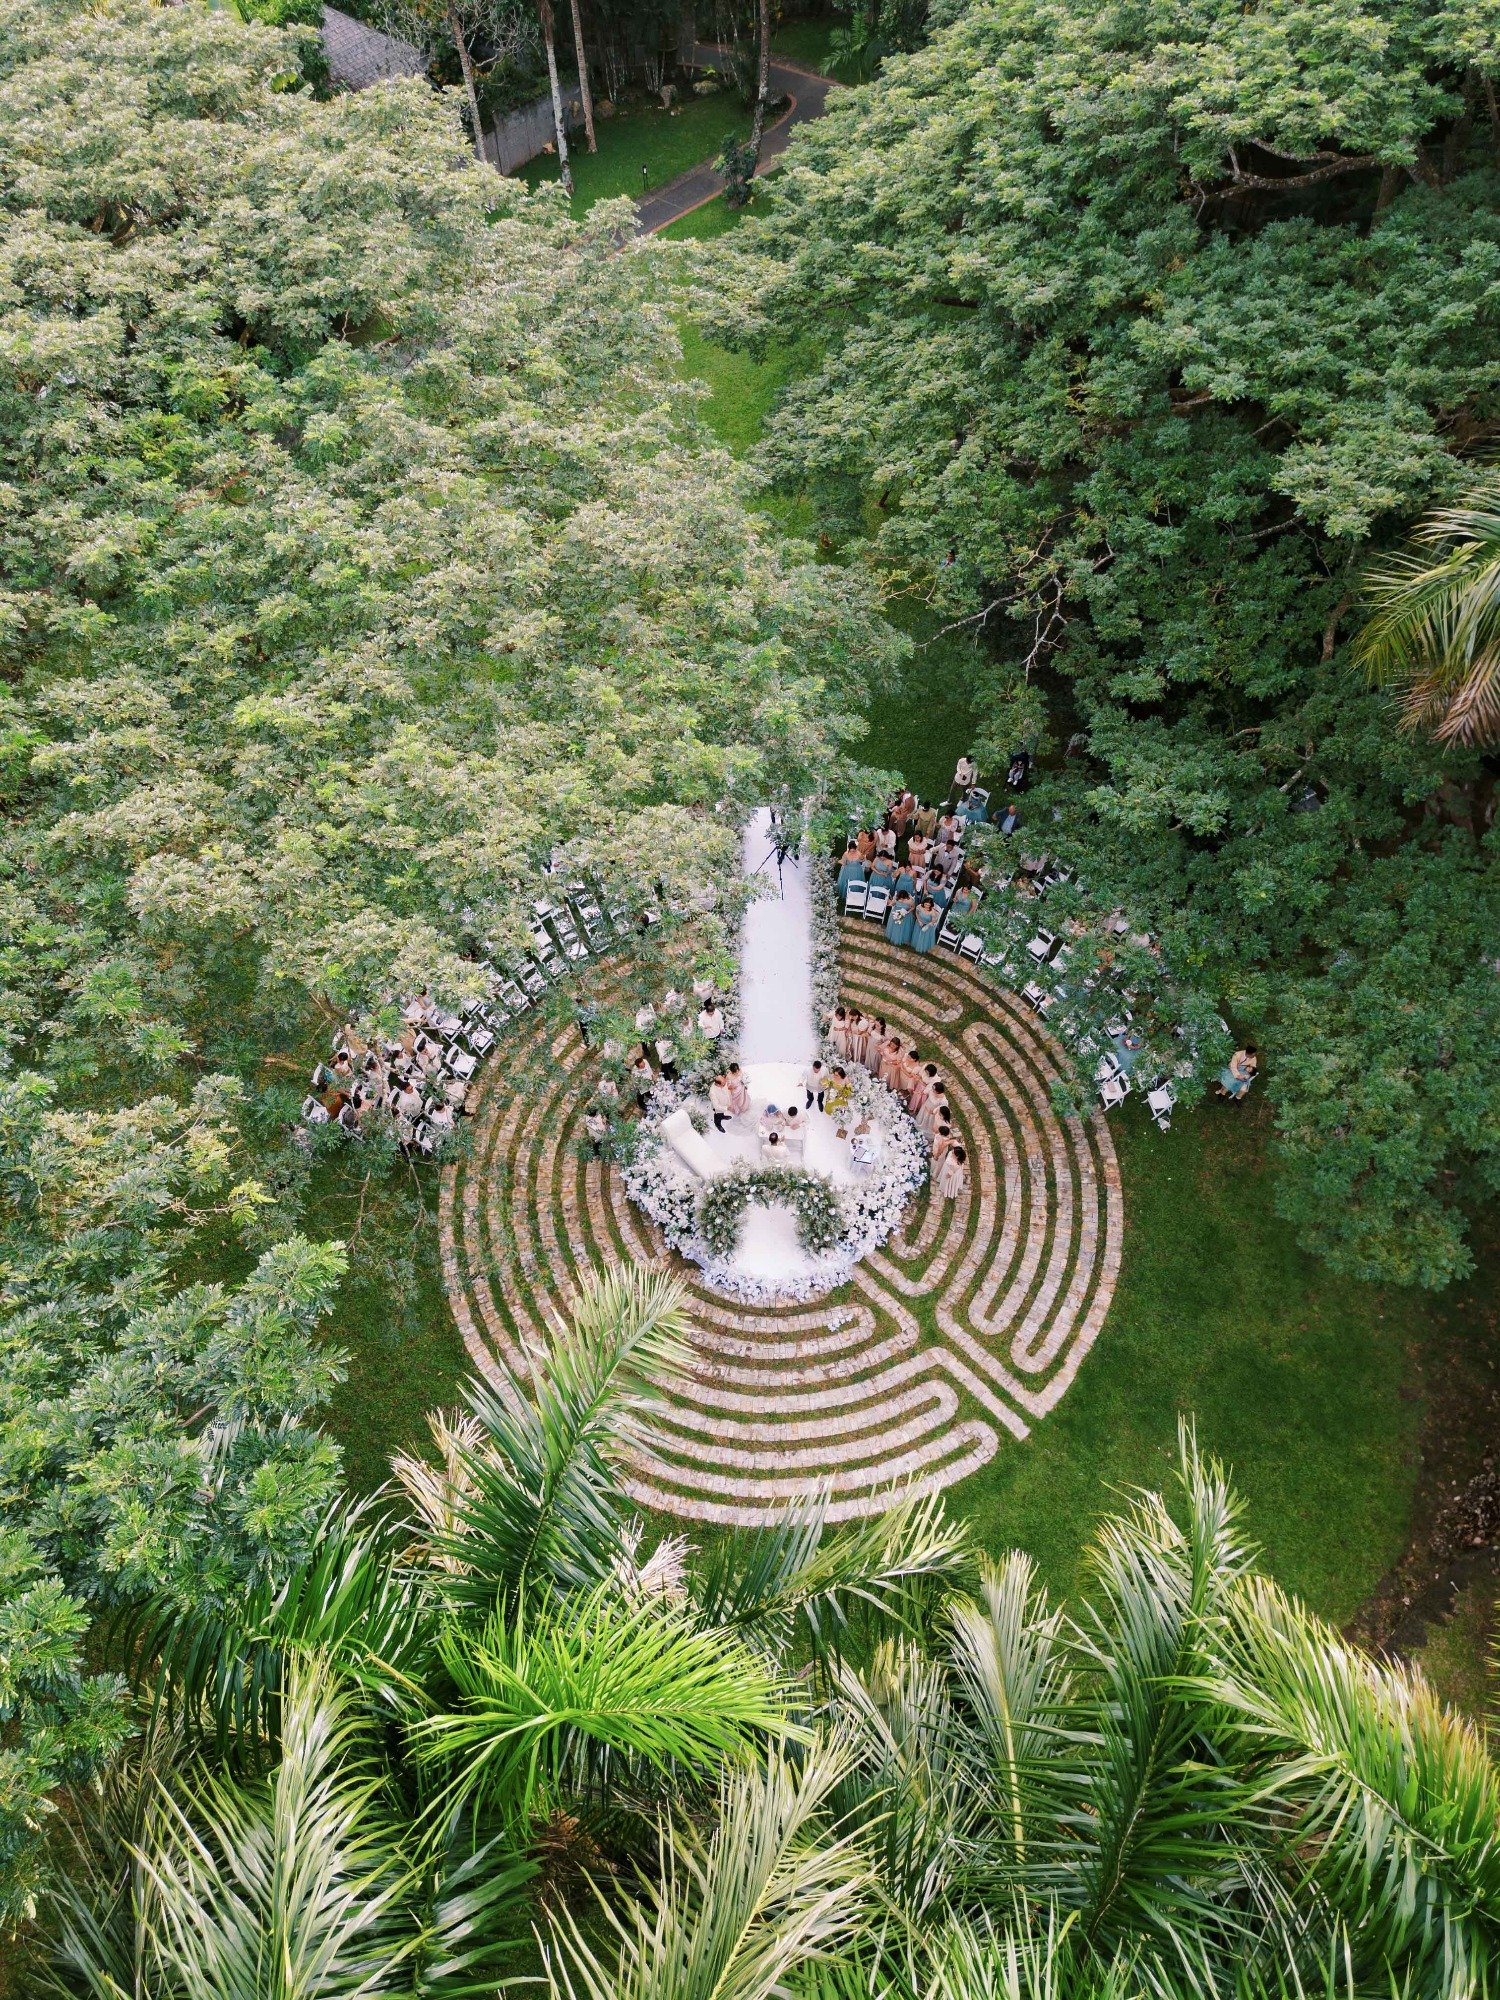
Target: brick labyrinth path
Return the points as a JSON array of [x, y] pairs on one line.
[[970, 1324]]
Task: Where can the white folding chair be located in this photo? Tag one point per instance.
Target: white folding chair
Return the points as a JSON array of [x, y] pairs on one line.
[[948, 937], [972, 946], [1109, 1066], [1114, 1090], [458, 1062], [1159, 1103], [314, 1113], [854, 899], [878, 895], [480, 1039], [1040, 945]]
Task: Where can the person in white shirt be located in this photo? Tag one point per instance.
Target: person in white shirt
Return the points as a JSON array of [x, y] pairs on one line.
[[671, 1001], [645, 1020], [885, 841], [966, 774], [703, 989], [597, 1126], [795, 1134], [711, 1021], [720, 1103], [773, 1150], [815, 1082]]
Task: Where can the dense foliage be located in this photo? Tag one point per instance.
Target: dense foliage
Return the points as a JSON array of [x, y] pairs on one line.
[[358, 548], [794, 1766], [1140, 325]]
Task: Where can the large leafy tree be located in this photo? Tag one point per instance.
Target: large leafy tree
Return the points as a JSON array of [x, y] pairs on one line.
[[1139, 325]]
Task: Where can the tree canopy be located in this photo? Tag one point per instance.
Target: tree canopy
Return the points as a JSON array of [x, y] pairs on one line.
[[1140, 325]]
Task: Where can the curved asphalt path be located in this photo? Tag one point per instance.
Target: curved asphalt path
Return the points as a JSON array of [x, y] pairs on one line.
[[808, 93]]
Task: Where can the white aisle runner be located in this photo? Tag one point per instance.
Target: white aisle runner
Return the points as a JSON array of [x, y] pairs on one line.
[[776, 1003]]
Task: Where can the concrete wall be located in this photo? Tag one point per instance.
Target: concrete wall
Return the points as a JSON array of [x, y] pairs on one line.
[[521, 134]]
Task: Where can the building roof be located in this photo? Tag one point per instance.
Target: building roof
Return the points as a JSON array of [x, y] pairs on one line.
[[359, 55]]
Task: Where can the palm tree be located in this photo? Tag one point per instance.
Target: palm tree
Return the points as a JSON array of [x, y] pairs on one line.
[[1434, 630], [806, 1766]]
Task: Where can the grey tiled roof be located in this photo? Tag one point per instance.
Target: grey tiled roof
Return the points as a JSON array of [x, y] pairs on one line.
[[358, 55]]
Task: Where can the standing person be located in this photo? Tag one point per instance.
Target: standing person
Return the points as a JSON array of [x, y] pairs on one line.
[[645, 1078], [839, 1095], [795, 1133], [586, 1014], [597, 1126], [892, 1050], [965, 773], [927, 1082], [666, 1056], [719, 1102], [953, 1174], [911, 1069], [875, 1037], [934, 1113], [851, 868], [739, 1091], [815, 1083], [885, 839], [856, 1035], [950, 828], [943, 1142], [882, 869], [865, 842], [917, 850], [710, 1020], [838, 1030], [926, 925], [898, 918], [925, 820], [901, 811]]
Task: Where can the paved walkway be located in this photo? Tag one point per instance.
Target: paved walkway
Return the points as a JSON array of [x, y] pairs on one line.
[[808, 93]]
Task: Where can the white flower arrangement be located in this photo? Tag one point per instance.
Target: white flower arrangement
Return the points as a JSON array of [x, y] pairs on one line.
[[873, 1205]]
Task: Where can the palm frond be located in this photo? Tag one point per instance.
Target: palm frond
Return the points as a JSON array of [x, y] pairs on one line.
[[577, 1695], [291, 1889], [772, 1892], [354, 1601], [1389, 1802], [539, 1499], [1013, 1675], [793, 1577], [1433, 632], [1150, 1854]]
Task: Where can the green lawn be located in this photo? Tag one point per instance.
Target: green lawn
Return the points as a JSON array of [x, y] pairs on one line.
[[662, 143], [807, 43], [714, 218]]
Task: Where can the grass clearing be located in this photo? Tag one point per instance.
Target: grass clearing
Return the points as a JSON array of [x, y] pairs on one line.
[[643, 147]]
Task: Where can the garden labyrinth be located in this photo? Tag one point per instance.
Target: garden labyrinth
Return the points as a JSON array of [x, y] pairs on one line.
[[970, 1325]]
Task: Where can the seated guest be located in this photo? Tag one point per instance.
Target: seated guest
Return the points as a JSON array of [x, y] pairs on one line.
[[1020, 764], [739, 1091], [770, 1121], [343, 1063], [710, 1020], [885, 840], [773, 1149], [349, 1119], [962, 905], [973, 809], [851, 868], [898, 917], [406, 1102], [865, 842], [953, 1174], [1238, 1075], [441, 1117], [719, 1102], [926, 924], [906, 880], [815, 1083], [950, 827], [925, 820], [917, 850]]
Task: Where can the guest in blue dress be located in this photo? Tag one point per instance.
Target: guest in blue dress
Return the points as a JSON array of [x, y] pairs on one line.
[[961, 908], [926, 924], [882, 869], [906, 880], [898, 919], [851, 869], [938, 890]]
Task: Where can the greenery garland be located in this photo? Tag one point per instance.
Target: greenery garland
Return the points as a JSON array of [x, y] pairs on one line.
[[813, 1198]]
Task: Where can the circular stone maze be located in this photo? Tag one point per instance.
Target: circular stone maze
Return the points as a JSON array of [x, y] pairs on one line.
[[967, 1327]]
